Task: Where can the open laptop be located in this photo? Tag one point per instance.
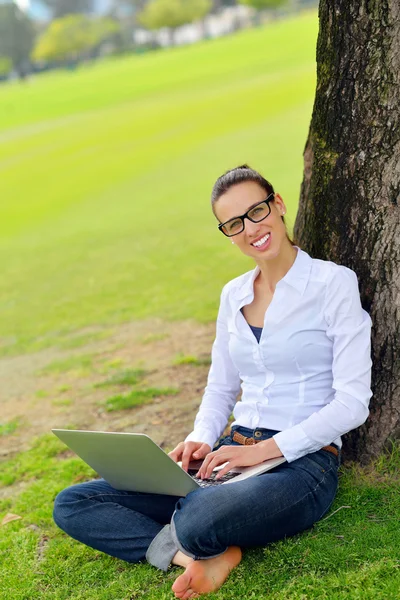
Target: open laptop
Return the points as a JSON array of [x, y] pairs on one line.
[[133, 462]]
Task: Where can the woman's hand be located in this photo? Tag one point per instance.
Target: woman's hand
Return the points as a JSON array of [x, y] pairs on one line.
[[186, 451], [238, 456]]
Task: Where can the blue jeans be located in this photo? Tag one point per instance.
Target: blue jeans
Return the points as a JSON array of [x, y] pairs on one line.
[[253, 512]]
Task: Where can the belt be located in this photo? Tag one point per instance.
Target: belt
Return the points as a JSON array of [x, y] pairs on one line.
[[249, 441]]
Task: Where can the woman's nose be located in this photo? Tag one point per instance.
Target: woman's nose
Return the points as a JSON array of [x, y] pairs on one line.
[[250, 227]]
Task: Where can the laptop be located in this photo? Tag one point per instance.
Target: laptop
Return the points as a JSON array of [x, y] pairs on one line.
[[133, 462]]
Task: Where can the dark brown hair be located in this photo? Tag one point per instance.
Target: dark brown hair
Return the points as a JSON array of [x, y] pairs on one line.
[[240, 175]]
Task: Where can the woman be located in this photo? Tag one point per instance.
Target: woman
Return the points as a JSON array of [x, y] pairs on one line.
[[292, 335]]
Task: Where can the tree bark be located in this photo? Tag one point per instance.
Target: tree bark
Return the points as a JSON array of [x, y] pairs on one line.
[[350, 197]]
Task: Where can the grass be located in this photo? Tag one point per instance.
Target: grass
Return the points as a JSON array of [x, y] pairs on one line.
[[126, 377], [42, 394], [353, 554], [83, 339], [9, 427], [192, 360], [106, 172], [137, 398], [62, 402], [63, 388], [150, 338], [79, 364]]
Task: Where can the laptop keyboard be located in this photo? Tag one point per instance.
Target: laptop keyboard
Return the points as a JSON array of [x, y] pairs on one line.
[[212, 481]]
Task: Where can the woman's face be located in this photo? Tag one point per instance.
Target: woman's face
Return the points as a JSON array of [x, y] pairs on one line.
[[263, 240]]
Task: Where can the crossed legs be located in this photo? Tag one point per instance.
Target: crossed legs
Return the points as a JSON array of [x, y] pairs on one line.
[[204, 531]]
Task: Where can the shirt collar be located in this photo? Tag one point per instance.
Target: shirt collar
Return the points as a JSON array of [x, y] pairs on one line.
[[299, 273], [297, 277]]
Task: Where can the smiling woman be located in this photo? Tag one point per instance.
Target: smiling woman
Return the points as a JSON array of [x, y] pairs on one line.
[[292, 336], [234, 190]]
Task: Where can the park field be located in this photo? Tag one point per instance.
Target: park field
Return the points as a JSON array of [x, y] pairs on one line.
[[112, 266], [106, 173]]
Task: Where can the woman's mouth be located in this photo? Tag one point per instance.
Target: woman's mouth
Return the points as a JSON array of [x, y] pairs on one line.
[[262, 243]]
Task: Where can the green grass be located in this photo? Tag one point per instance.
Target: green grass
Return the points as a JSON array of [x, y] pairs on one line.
[[79, 364], [353, 554], [83, 339], [192, 360], [150, 338], [62, 402], [9, 427], [126, 377], [137, 398], [106, 172]]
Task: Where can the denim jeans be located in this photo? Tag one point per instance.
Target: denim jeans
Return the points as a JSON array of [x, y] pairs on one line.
[[252, 512]]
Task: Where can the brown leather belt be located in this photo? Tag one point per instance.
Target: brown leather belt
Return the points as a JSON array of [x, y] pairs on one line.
[[247, 441]]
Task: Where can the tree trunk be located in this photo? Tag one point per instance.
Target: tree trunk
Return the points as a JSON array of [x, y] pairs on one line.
[[350, 197]]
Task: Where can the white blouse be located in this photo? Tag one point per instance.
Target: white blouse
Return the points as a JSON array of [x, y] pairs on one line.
[[309, 377]]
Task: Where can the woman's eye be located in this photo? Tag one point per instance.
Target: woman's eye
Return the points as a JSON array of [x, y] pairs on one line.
[[257, 210], [234, 225]]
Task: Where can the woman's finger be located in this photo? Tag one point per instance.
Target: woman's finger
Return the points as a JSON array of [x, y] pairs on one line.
[[175, 454], [240, 457], [202, 451], [225, 470], [187, 454], [215, 462], [206, 462]]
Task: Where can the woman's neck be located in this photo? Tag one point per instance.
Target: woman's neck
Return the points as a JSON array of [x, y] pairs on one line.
[[274, 269]]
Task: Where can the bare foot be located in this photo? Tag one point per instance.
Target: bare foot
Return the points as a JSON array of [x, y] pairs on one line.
[[204, 576]]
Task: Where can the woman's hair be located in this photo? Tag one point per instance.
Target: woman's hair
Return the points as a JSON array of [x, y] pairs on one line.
[[233, 177], [239, 175]]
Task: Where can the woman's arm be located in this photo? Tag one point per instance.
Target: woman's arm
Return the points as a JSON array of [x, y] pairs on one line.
[[349, 328], [223, 385]]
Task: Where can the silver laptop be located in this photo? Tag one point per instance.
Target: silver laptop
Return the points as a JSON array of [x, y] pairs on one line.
[[133, 462]]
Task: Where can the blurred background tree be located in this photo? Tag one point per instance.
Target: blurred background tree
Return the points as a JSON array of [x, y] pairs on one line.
[[173, 13], [262, 4], [17, 35], [5, 65], [125, 12], [72, 37], [60, 8], [128, 6]]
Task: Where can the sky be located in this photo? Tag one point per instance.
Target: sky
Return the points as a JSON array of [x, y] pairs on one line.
[[36, 8]]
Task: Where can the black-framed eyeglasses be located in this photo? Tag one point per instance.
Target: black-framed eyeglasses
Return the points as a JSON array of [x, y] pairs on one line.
[[255, 214]]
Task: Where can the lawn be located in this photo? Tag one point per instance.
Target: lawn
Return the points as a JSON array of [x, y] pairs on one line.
[[353, 554], [106, 172], [106, 236]]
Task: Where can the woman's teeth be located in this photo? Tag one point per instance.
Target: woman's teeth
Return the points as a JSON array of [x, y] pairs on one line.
[[259, 243]]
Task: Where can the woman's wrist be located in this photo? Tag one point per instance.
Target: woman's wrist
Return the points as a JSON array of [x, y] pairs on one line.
[[270, 449]]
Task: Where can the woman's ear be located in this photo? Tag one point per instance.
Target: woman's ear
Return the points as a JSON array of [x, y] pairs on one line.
[[280, 205]]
